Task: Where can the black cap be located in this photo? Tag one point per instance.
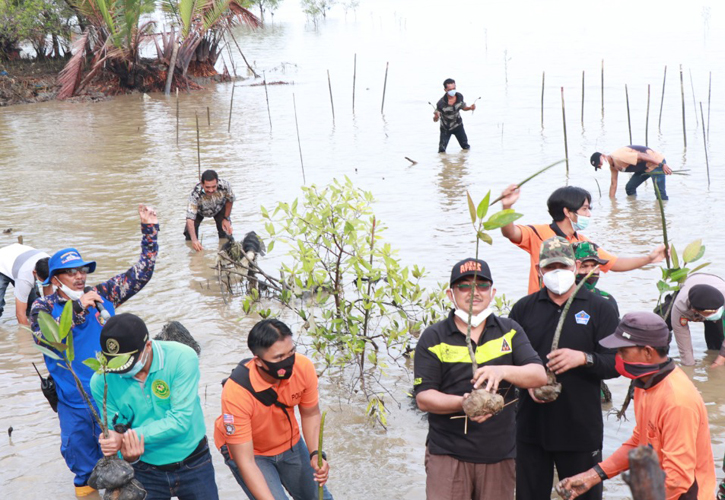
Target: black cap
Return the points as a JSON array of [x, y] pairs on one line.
[[705, 298], [594, 160], [639, 329], [469, 267], [124, 334]]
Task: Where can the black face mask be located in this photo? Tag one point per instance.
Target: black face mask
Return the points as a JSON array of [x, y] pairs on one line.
[[591, 282], [281, 370]]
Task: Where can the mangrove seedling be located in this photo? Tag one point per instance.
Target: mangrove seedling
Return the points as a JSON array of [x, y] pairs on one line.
[[320, 491]]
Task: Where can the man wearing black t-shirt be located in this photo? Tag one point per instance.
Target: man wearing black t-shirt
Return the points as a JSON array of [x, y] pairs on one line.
[[568, 432], [472, 460], [448, 111]]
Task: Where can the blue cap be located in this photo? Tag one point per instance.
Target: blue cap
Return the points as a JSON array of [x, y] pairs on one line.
[[68, 258]]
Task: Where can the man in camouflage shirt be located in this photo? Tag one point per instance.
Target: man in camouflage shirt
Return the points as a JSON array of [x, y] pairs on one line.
[[212, 197], [448, 110], [588, 258]]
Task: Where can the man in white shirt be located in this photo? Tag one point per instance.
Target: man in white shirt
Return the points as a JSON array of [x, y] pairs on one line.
[[17, 267]]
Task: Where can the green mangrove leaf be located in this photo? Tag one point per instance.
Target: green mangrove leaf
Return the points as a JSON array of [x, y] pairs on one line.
[[485, 237], [92, 363], [471, 208], [691, 251], [47, 352], [71, 352], [48, 327], [66, 320], [483, 206], [699, 267], [501, 218], [700, 254], [673, 254], [680, 274], [118, 361]]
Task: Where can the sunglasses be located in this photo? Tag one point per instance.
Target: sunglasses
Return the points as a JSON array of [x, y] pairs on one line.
[[75, 270], [466, 287]]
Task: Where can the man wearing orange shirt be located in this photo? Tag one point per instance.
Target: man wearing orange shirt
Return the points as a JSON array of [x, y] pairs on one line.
[[258, 434], [670, 413], [570, 207]]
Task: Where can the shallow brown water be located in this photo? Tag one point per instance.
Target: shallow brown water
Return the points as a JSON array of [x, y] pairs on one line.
[[73, 173]]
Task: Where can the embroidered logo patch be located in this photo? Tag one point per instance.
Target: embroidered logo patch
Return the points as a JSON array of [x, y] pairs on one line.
[[505, 347], [582, 318], [683, 321], [69, 256], [229, 428], [228, 419], [112, 346], [160, 389], [418, 381]]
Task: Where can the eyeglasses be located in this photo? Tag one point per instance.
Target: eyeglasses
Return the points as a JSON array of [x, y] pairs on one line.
[[75, 270], [466, 287]]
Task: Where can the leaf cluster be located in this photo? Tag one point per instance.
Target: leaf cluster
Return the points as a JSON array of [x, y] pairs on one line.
[[674, 277]]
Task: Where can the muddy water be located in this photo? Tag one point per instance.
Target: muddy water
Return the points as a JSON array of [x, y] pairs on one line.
[[72, 175]]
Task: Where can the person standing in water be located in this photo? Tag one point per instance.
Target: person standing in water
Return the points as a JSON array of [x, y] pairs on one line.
[[448, 111]]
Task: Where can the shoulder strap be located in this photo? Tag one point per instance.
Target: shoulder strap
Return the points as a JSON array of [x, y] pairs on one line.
[[535, 231]]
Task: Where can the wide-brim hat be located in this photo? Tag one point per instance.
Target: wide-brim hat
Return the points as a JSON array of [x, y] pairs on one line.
[[68, 258], [124, 334]]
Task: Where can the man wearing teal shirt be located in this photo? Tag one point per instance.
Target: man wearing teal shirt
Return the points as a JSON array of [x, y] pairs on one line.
[[155, 413]]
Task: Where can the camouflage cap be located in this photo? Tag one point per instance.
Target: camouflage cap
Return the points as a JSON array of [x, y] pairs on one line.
[[586, 250], [556, 249]]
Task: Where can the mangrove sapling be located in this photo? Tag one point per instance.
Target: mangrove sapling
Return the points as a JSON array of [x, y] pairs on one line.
[[320, 489], [530, 177], [550, 392]]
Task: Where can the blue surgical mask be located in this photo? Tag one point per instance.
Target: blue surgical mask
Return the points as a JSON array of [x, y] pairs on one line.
[[452, 93], [582, 222], [137, 367], [715, 316]]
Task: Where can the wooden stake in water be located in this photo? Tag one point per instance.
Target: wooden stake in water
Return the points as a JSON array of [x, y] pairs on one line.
[[662, 102], [646, 123], [177, 116], [582, 99], [704, 141], [543, 79], [682, 92], [629, 120], [299, 144], [231, 105], [694, 104], [602, 87], [354, 77], [332, 104], [385, 85], [566, 145], [709, 93], [208, 117], [198, 144], [266, 96]]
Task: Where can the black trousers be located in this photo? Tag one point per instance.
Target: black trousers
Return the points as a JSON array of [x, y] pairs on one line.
[[460, 134], [535, 470], [218, 218], [714, 335]]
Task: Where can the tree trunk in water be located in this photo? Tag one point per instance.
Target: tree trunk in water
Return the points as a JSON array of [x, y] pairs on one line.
[[645, 478], [172, 65]]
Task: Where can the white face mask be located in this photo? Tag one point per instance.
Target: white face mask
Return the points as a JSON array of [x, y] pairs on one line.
[[559, 281], [72, 294], [452, 93], [476, 320]]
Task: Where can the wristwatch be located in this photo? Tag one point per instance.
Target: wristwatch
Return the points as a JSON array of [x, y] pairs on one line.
[[324, 455], [590, 360]]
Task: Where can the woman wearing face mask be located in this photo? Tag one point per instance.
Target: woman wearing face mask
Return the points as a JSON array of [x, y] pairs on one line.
[[569, 431], [448, 111], [670, 414]]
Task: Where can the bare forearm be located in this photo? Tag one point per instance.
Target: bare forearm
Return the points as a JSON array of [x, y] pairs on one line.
[[228, 209], [512, 232], [254, 479], [20, 308], [437, 402], [191, 229], [630, 263], [528, 376], [311, 430]]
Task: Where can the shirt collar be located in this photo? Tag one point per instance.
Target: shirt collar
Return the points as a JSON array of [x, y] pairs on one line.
[[557, 231], [665, 369]]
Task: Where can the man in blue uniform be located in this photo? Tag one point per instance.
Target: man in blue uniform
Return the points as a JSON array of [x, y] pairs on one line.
[[68, 272], [154, 398]]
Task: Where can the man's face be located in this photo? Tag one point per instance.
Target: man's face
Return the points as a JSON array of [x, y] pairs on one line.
[[633, 354], [558, 265], [209, 186], [586, 266], [73, 278], [279, 351], [450, 86], [483, 292]]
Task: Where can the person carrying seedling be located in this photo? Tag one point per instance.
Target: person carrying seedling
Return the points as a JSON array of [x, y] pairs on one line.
[[68, 272], [671, 417], [568, 431], [257, 432], [458, 465]]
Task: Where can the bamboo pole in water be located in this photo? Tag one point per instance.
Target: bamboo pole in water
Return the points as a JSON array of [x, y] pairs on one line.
[[332, 104], [704, 141], [177, 116], [682, 93], [299, 144], [662, 102], [198, 144], [582, 99], [266, 97], [646, 123], [563, 117], [709, 93], [354, 77], [694, 104], [543, 79], [208, 117], [385, 85], [629, 120], [602, 87], [231, 105]]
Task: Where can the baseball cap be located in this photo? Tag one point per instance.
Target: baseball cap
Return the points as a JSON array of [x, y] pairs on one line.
[[469, 267], [639, 329], [594, 160], [124, 334], [556, 249], [586, 250], [68, 258], [705, 298]]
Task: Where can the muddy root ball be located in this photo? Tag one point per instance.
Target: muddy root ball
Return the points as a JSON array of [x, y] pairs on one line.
[[550, 391], [482, 402], [110, 473], [131, 491]]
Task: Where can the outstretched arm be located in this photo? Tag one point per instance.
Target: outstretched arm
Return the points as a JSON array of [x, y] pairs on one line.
[[613, 182], [630, 263], [509, 196]]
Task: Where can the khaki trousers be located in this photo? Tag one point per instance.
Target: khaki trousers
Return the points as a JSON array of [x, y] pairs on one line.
[[450, 479]]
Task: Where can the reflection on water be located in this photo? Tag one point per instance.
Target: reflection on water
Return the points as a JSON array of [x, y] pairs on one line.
[[73, 174]]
